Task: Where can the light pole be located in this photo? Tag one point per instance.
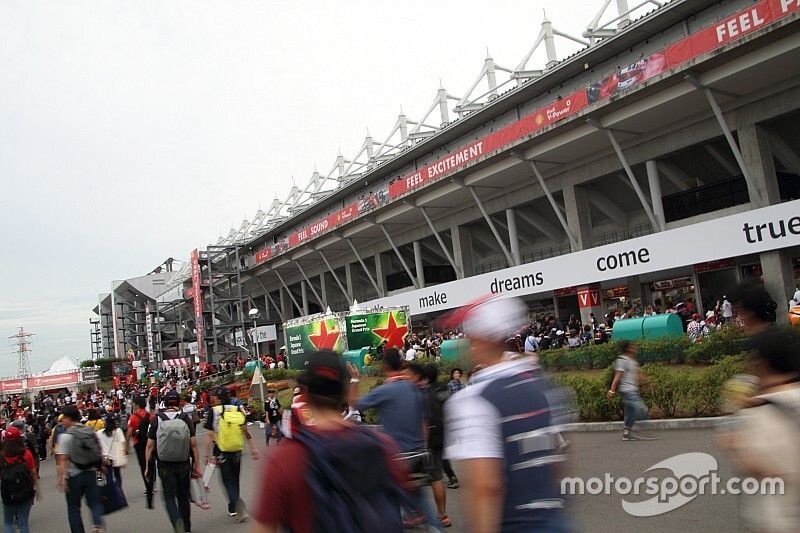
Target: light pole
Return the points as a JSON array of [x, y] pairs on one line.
[[254, 313]]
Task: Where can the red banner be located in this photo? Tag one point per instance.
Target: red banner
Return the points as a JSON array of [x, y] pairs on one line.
[[197, 296], [263, 255], [468, 154], [53, 381], [588, 298], [729, 29], [11, 385], [321, 226]]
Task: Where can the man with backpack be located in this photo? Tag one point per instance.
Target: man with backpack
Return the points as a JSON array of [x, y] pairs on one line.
[[334, 475], [79, 457], [171, 441], [402, 413], [138, 429], [227, 434]]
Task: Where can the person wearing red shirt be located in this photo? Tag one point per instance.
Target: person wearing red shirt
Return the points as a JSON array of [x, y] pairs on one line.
[[139, 416], [15, 451], [284, 498]]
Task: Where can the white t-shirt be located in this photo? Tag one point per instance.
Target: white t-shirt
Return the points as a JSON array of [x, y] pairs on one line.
[[411, 354], [472, 423], [629, 381], [727, 309]]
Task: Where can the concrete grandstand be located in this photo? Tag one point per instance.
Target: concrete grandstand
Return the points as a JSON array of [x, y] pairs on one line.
[[659, 163]]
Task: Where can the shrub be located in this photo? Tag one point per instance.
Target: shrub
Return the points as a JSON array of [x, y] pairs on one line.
[[586, 357], [589, 398], [720, 344], [668, 390]]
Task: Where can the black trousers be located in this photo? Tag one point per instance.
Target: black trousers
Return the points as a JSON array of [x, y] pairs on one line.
[[148, 483], [175, 491]]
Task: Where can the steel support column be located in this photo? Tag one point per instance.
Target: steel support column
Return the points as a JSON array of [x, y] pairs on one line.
[[364, 265], [311, 286], [438, 237], [492, 227], [266, 294], [737, 153], [399, 256], [333, 273], [291, 296], [513, 237], [304, 298], [632, 177], [556, 208], [418, 264], [654, 181]]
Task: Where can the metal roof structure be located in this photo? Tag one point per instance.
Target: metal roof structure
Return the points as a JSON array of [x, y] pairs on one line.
[[408, 139]]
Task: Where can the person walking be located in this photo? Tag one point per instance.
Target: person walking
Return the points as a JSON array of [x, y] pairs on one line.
[[501, 431], [171, 441], [272, 407], [19, 482], [764, 441], [401, 413], [114, 447], [337, 476], [626, 380], [227, 434], [79, 458], [435, 395], [138, 429]]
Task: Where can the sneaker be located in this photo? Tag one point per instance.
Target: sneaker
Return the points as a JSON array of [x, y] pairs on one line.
[[445, 521], [628, 435], [231, 514], [241, 512], [452, 483]]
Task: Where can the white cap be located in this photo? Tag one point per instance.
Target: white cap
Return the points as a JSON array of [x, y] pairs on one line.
[[492, 319]]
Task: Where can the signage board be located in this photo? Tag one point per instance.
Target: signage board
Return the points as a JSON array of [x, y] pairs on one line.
[[751, 232], [372, 329]]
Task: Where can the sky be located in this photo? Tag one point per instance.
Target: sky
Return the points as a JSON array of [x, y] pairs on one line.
[[133, 131]]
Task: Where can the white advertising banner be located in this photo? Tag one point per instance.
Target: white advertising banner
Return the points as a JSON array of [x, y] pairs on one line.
[[148, 321], [758, 230], [193, 348], [264, 333]]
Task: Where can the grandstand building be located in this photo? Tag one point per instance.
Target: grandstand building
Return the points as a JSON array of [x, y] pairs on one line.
[[658, 164]]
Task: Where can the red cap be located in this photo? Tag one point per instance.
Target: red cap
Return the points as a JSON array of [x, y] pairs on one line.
[[696, 315], [13, 433]]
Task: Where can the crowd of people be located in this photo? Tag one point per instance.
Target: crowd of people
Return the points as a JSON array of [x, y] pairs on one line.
[[499, 430]]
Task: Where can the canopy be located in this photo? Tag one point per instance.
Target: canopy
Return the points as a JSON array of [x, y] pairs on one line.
[[61, 366], [179, 361]]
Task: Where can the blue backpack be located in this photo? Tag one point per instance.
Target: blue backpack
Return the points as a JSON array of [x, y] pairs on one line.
[[351, 494]]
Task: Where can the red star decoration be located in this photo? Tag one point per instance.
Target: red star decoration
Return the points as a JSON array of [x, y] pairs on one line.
[[325, 340], [392, 333]]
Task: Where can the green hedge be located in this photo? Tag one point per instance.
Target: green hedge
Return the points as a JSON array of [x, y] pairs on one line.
[[668, 390], [276, 374], [678, 350]]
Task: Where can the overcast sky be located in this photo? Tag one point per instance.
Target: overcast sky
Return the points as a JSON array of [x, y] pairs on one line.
[[132, 131]]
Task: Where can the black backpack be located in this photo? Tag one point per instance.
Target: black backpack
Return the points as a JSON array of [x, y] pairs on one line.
[[351, 493], [16, 482], [142, 430]]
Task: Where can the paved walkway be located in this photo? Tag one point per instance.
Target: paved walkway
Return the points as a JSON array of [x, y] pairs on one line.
[[594, 454]]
